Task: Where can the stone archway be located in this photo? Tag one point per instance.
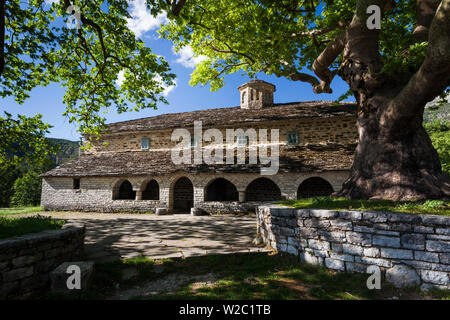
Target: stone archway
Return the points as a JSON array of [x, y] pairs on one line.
[[151, 191], [221, 189], [124, 191], [183, 195], [262, 189], [314, 187]]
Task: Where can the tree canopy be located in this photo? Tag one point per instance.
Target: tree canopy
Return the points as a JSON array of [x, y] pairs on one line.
[[37, 49], [287, 38]]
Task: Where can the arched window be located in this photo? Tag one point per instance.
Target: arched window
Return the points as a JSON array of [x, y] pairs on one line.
[[221, 190], [124, 191], [262, 189], [244, 96], [151, 191], [314, 187]]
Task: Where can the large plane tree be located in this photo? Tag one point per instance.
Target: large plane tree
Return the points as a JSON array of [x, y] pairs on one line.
[[392, 69]]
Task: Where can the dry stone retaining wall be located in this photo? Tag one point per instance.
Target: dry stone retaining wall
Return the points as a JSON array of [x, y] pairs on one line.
[[410, 249], [26, 261]]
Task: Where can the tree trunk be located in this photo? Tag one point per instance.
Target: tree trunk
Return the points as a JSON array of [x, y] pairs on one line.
[[392, 161]]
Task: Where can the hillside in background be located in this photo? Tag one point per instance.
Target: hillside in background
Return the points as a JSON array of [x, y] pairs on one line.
[[68, 150], [433, 112]]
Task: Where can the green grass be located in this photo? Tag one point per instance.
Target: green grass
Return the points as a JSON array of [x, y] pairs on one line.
[[19, 210], [427, 207], [11, 227], [244, 276]]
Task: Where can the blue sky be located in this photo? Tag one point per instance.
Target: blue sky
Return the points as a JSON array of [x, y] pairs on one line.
[[48, 100]]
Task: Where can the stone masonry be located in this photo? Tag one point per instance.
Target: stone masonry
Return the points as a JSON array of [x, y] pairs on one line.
[[96, 193], [26, 261], [315, 139], [411, 249]]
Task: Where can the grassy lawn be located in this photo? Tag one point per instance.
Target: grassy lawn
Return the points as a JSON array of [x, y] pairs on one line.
[[427, 207], [19, 210], [10, 227], [238, 276]]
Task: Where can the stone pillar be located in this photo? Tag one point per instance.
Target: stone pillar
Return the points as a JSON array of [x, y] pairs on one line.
[[198, 196], [241, 196], [138, 195]]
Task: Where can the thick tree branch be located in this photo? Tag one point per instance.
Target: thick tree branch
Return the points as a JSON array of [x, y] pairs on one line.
[[177, 6], [292, 73], [433, 75], [325, 59], [426, 10], [362, 44]]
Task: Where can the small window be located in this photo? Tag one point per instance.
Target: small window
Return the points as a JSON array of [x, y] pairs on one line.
[[251, 95], [145, 143], [242, 141], [76, 184], [244, 96], [266, 97], [292, 138], [193, 141]]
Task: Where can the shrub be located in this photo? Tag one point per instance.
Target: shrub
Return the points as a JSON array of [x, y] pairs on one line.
[[27, 190], [439, 133]]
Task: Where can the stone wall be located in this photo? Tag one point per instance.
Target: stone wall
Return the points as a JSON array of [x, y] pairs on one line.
[[310, 131], [96, 193], [409, 248], [26, 261]]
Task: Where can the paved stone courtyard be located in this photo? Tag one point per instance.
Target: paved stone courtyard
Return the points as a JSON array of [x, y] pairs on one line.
[[114, 236]]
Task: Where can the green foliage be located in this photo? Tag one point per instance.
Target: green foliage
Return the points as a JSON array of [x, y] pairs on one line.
[[439, 133], [27, 190], [7, 178], [401, 62], [428, 207], [40, 49], [275, 36], [433, 203], [11, 227], [23, 142]]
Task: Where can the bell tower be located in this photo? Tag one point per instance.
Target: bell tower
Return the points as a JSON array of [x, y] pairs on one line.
[[256, 94]]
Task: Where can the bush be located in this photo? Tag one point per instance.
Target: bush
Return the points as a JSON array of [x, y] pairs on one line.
[[7, 178], [439, 133], [27, 190]]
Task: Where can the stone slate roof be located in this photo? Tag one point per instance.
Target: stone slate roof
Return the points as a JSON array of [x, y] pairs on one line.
[[294, 159], [312, 158], [233, 116]]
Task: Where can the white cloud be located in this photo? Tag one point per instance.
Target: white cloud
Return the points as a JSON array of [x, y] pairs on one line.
[[167, 89], [186, 57], [120, 78], [142, 20]]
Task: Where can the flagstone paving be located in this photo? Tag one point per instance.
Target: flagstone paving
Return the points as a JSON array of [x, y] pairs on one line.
[[114, 236]]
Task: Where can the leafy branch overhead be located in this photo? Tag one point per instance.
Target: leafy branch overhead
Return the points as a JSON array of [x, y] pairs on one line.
[[37, 49], [283, 37]]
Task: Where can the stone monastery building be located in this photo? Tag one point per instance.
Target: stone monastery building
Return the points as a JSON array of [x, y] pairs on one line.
[[131, 168]]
